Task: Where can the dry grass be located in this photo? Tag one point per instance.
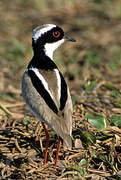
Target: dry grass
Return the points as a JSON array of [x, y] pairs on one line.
[[92, 67]]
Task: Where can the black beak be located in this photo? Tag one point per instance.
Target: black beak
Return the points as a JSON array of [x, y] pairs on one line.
[[69, 38]]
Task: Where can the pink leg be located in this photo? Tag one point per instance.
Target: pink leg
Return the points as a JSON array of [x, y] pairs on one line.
[[56, 160], [47, 142]]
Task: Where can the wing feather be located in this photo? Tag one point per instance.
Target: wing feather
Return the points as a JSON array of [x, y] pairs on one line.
[[44, 107]]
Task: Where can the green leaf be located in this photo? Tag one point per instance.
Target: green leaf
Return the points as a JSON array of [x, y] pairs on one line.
[[88, 139], [93, 153], [92, 57], [114, 93], [26, 120], [118, 104], [108, 86], [96, 120], [83, 162], [116, 120], [113, 65], [103, 158], [71, 59], [74, 98], [81, 171], [91, 86]]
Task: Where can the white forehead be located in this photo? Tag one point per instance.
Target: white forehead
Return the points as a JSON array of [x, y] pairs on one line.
[[38, 31]]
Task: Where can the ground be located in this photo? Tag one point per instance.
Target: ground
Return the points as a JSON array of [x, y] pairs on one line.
[[92, 67]]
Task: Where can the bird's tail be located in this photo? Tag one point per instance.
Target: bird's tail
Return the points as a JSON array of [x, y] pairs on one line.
[[67, 142]]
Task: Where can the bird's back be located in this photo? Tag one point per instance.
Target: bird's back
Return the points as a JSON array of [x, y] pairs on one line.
[[47, 96]]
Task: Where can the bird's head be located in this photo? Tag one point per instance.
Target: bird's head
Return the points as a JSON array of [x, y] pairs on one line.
[[49, 37]]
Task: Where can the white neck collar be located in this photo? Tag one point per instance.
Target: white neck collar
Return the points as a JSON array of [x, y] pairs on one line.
[[49, 48]]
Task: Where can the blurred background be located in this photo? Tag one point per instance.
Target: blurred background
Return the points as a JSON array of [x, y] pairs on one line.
[[92, 65], [95, 24]]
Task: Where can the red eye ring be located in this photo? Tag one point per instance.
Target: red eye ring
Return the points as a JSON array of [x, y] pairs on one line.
[[56, 34]]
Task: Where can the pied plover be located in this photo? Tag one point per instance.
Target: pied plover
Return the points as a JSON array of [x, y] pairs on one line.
[[44, 89]]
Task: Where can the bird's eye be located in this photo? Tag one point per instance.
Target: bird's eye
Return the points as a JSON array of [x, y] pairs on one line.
[[56, 34]]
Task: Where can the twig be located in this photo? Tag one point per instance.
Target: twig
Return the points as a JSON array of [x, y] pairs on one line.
[[17, 145], [5, 110], [67, 173], [15, 105]]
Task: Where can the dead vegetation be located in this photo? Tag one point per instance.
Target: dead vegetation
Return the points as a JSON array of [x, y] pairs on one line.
[[92, 67]]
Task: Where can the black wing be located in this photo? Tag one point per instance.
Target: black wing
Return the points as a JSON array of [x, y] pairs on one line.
[[37, 83]]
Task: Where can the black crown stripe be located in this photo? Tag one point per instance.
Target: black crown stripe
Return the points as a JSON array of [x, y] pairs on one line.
[[64, 94], [37, 83]]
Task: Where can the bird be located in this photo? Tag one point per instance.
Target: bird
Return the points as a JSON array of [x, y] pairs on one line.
[[44, 88]]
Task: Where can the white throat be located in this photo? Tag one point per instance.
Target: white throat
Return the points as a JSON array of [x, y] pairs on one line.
[[49, 48]]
